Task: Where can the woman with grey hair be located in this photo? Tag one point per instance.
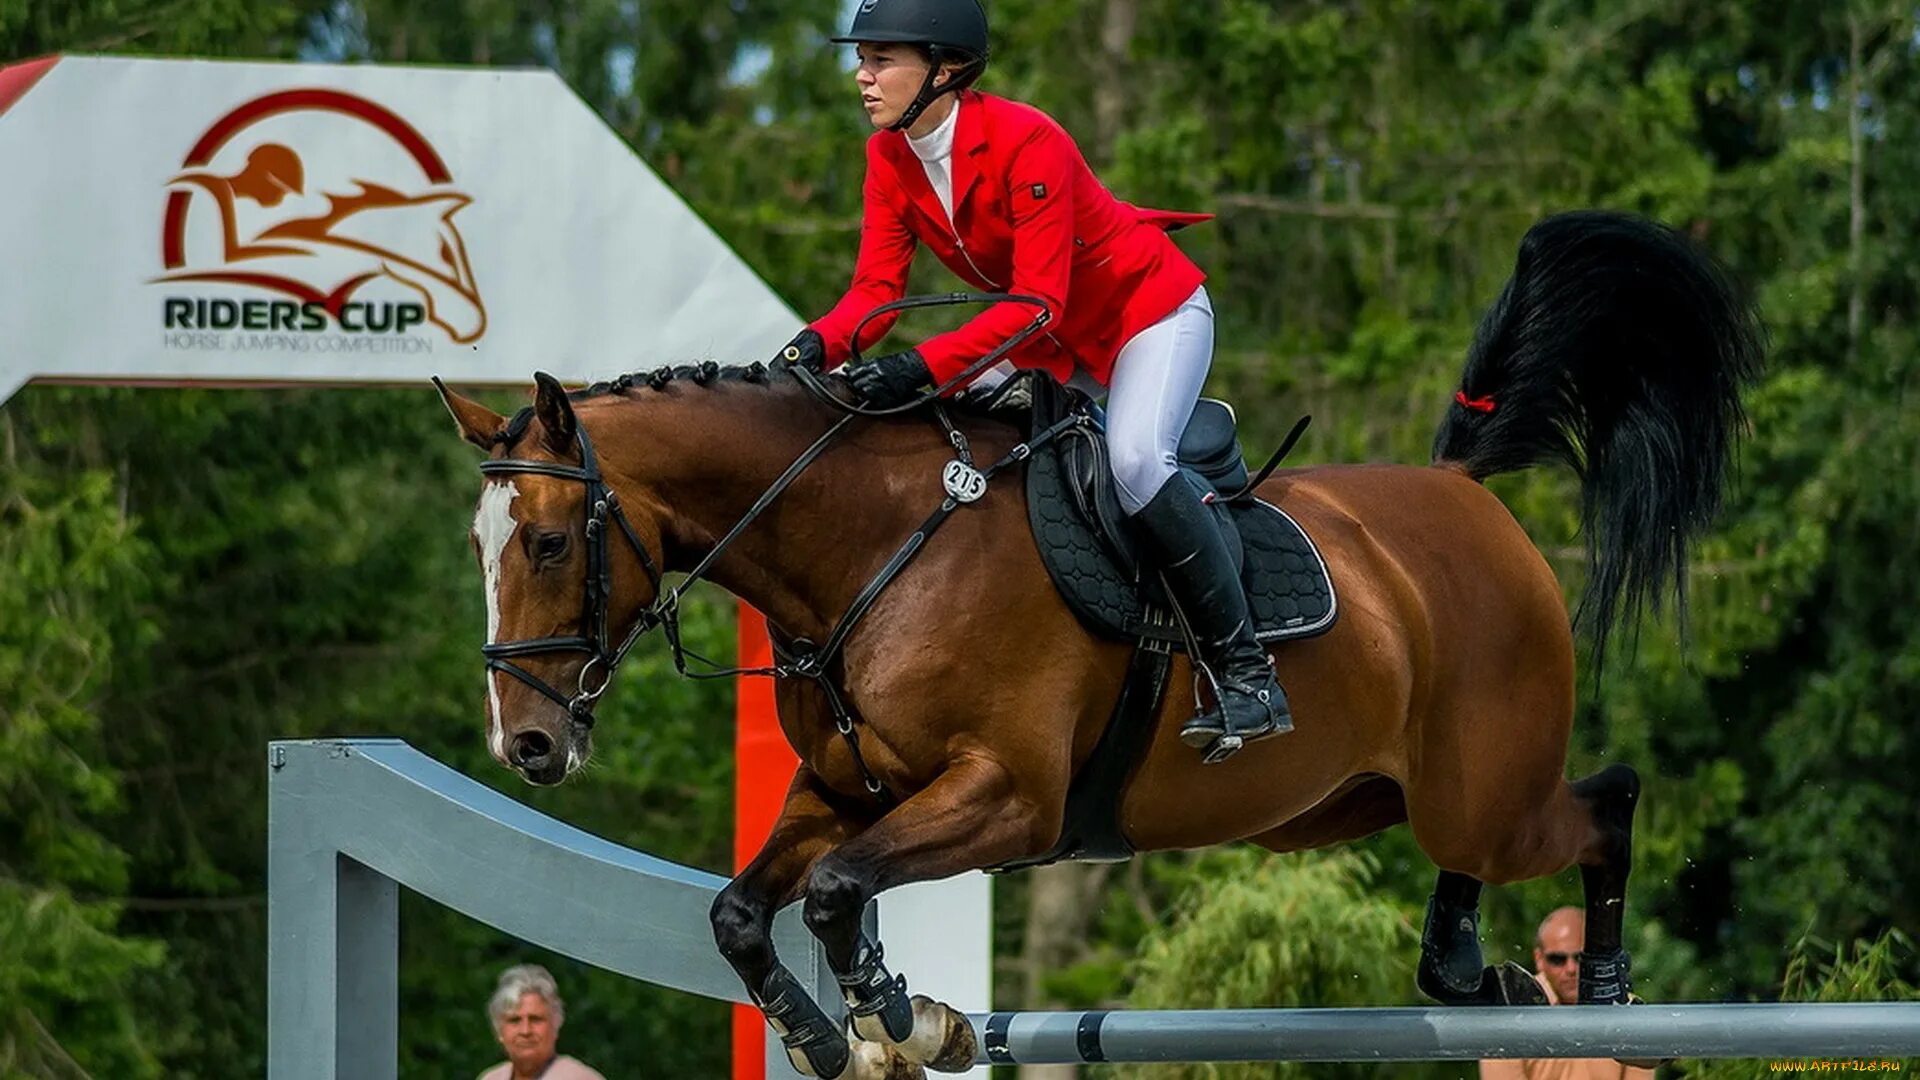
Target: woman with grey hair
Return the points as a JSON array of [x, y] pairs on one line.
[[526, 1013]]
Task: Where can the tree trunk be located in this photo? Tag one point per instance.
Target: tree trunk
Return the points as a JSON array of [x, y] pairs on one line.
[[1061, 900], [1856, 191], [1110, 92], [481, 19]]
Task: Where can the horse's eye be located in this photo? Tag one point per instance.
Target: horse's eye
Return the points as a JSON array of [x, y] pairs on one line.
[[551, 547]]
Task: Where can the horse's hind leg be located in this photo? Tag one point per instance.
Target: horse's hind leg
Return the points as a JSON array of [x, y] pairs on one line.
[[1609, 796], [1452, 969], [1497, 809], [742, 916], [969, 817]]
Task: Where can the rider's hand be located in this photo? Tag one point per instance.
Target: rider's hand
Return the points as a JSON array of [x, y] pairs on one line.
[[807, 349], [889, 381]]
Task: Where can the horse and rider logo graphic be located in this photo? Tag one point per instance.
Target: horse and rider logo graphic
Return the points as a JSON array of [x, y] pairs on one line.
[[248, 208]]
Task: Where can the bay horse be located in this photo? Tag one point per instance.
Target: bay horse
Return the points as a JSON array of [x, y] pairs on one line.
[[1443, 697]]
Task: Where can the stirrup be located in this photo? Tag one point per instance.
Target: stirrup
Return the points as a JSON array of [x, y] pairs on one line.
[[1210, 732], [1206, 730]]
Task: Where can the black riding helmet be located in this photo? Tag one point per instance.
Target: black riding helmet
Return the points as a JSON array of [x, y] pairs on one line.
[[950, 31]]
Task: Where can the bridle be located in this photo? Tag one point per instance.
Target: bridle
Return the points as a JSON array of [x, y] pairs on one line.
[[603, 506]]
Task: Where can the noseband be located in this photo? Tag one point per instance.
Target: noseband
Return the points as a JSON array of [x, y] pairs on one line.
[[603, 506]]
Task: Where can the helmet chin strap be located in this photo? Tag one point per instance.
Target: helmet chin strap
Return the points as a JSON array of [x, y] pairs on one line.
[[928, 94]]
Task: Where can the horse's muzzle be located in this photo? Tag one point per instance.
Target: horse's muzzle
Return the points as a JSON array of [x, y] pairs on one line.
[[539, 757]]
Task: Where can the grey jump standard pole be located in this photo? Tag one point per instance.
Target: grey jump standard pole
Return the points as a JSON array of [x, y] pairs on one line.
[[351, 821], [1635, 1031]]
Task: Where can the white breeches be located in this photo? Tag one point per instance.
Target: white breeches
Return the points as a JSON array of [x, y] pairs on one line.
[[1156, 381]]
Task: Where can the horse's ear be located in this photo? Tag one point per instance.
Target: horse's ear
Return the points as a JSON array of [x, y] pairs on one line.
[[550, 404], [479, 425]]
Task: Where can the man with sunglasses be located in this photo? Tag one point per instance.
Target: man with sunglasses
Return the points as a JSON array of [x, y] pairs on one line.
[[1556, 965]]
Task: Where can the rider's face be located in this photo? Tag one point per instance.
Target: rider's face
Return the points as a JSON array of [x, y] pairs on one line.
[[889, 77]]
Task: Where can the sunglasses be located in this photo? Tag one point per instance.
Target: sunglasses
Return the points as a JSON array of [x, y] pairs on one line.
[[1559, 959]]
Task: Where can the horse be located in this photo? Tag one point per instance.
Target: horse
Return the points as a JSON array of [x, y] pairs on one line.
[[1442, 698]]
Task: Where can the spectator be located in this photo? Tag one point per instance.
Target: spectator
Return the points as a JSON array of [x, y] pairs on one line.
[[527, 1012], [1556, 965]]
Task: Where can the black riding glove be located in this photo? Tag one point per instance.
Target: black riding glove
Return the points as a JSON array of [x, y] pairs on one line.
[[807, 349], [893, 380]]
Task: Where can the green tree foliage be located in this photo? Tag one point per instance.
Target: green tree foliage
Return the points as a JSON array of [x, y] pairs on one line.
[[73, 586], [1299, 930], [1817, 971], [1375, 165]]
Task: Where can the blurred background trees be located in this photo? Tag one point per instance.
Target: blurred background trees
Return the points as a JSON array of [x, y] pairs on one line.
[[189, 574]]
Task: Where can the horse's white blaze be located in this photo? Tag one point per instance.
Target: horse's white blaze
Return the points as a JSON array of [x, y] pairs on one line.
[[493, 527]]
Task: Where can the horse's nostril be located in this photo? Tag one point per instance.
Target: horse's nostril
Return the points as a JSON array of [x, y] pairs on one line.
[[531, 748]]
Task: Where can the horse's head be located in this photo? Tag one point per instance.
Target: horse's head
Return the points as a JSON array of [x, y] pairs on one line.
[[567, 573]]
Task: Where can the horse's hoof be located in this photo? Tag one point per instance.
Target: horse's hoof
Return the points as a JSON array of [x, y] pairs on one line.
[[1430, 982], [1508, 984], [1515, 985], [943, 1039], [878, 1061]]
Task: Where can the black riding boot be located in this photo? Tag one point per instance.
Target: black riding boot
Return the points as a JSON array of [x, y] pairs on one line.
[[1183, 535]]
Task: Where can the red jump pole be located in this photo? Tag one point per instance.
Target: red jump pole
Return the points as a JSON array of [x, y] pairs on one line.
[[763, 768]]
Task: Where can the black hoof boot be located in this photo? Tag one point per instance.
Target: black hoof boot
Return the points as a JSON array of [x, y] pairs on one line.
[[815, 1044], [1184, 538], [1450, 970], [877, 1002], [1604, 979]]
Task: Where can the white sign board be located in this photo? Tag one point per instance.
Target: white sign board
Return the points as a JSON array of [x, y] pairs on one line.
[[168, 221]]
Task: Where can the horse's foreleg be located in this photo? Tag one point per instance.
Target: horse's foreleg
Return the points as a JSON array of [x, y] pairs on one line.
[[1610, 796], [742, 917], [967, 818]]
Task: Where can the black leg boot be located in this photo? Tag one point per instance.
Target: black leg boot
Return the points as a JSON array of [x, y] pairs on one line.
[[1183, 536]]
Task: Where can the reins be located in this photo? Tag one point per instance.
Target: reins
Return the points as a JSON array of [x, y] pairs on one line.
[[962, 482]]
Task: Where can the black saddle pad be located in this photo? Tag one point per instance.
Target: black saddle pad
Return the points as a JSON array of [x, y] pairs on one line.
[[1288, 588]]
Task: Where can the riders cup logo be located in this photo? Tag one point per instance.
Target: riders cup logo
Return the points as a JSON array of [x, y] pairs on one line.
[[315, 220]]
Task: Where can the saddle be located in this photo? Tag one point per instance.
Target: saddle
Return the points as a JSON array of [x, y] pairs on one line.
[[1089, 549], [1096, 566]]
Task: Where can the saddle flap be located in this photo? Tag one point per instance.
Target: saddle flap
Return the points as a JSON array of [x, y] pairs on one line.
[[1088, 552], [1090, 481]]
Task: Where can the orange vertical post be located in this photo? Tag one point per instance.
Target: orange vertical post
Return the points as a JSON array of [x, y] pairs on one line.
[[763, 768]]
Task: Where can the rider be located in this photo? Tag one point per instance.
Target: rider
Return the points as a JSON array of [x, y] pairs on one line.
[[1000, 193]]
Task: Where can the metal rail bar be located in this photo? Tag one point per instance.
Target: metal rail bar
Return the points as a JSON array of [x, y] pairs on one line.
[[1874, 1030]]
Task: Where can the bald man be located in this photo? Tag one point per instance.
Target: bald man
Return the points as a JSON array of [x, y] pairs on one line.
[[1556, 966]]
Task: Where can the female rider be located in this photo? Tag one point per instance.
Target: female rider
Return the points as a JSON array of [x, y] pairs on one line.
[[1000, 193]]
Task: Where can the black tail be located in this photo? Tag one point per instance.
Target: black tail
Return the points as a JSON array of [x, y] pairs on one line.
[[1618, 348]]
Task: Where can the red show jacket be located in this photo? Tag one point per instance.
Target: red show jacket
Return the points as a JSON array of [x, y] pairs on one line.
[[1029, 217]]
